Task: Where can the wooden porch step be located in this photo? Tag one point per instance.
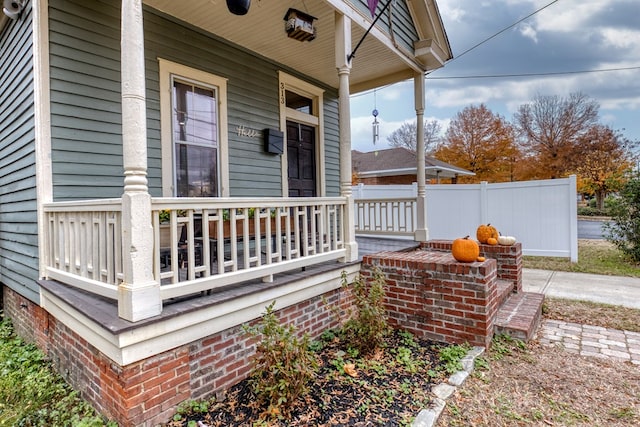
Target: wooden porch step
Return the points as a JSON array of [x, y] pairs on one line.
[[520, 315]]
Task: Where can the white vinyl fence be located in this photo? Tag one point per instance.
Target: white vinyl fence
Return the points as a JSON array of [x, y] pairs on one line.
[[540, 214]]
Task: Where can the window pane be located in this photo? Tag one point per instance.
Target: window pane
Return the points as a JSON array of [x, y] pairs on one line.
[[195, 138], [196, 171], [195, 114], [298, 102]]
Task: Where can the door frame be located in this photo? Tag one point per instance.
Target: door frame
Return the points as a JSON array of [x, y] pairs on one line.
[[287, 82]]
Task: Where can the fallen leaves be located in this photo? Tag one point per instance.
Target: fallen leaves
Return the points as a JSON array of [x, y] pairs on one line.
[[350, 369]]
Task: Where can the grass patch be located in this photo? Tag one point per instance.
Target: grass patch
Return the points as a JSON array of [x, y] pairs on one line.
[[592, 313], [534, 385], [594, 256], [31, 393]]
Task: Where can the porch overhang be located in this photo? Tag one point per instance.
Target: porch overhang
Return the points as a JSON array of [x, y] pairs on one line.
[[380, 60]]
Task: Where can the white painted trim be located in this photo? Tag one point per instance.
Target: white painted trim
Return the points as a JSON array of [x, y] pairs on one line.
[[235, 277], [95, 335], [412, 171], [42, 119], [294, 84], [364, 22], [158, 337], [94, 286], [166, 70]]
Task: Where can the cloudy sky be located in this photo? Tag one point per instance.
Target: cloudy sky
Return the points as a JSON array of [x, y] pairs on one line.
[[579, 37]]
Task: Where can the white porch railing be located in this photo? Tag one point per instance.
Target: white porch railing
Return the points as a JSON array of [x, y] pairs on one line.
[[84, 244], [394, 217], [206, 244]]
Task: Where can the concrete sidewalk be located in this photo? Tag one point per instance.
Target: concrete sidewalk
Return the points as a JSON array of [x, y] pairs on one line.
[[614, 290]]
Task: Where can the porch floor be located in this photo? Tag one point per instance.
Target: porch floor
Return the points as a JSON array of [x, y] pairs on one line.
[[104, 311]]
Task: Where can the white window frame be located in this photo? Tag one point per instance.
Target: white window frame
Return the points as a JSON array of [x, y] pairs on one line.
[[169, 69], [287, 82]]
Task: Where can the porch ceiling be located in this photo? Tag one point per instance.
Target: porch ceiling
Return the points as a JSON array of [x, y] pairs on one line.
[[261, 30]]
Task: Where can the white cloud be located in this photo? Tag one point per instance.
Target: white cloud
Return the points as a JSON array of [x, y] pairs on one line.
[[569, 35], [529, 32], [621, 38], [568, 16], [454, 12]]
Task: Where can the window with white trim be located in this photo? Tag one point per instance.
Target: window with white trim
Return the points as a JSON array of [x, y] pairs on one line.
[[195, 139], [193, 123]]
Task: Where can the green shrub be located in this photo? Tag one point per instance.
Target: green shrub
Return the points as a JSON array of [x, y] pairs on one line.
[[284, 365], [452, 357], [32, 393], [366, 329], [587, 211], [624, 228]]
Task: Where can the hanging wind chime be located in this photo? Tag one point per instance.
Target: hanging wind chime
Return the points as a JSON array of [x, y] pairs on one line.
[[376, 124]]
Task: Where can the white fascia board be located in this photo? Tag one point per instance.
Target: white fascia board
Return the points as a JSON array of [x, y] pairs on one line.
[[365, 22], [445, 172]]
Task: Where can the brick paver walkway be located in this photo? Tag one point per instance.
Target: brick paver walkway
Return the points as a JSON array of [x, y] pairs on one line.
[[593, 341]]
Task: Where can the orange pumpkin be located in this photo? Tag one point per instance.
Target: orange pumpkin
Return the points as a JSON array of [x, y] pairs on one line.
[[492, 241], [465, 249], [481, 259], [485, 232]]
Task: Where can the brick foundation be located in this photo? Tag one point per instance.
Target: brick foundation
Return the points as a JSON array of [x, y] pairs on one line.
[[146, 393], [428, 293]]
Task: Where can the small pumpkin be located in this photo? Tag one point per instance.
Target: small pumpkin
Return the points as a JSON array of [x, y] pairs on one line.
[[481, 259], [465, 249], [485, 232], [506, 240], [492, 241]]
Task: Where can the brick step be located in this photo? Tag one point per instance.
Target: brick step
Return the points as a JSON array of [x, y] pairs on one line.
[[520, 315], [505, 290]]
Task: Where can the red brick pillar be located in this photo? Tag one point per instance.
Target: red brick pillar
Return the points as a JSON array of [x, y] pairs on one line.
[[434, 296], [509, 258]]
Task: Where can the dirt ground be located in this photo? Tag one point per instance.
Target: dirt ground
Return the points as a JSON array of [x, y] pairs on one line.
[[535, 385]]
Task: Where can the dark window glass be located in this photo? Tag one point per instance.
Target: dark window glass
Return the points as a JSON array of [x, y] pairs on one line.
[[299, 102]]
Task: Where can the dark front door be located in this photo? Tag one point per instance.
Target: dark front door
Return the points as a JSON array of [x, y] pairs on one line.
[[301, 156]]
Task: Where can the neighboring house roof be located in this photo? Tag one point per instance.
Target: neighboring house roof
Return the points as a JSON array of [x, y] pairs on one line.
[[400, 161]]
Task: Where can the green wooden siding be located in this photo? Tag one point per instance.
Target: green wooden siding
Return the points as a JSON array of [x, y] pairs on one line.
[[18, 218], [404, 30], [86, 125], [85, 101]]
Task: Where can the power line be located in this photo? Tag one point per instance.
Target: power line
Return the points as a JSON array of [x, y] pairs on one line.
[[551, 73], [503, 30], [476, 45]]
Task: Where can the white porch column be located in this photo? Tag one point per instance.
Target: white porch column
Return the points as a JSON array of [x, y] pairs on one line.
[[343, 49], [421, 233], [139, 294]]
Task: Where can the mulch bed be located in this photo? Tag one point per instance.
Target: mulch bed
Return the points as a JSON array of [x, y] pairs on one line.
[[392, 385]]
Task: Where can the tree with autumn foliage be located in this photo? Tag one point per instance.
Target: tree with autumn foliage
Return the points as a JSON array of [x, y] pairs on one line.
[[550, 129], [482, 142], [603, 160]]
